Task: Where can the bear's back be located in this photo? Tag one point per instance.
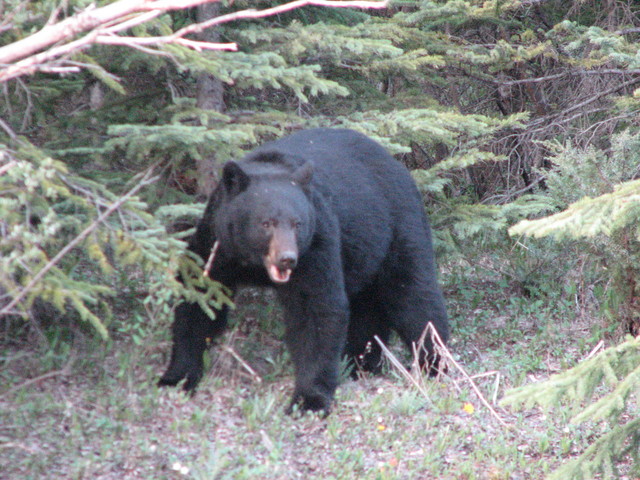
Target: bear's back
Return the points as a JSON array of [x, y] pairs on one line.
[[343, 160]]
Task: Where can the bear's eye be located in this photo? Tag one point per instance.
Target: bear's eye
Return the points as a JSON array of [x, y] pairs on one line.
[[297, 224], [267, 224]]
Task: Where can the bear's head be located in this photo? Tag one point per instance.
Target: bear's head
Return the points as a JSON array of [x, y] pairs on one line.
[[266, 218]]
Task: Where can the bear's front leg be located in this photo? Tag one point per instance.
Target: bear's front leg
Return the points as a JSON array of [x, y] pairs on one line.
[[316, 331], [191, 329]]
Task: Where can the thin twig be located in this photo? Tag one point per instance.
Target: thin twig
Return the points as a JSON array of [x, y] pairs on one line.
[[574, 73], [5, 126], [598, 96], [212, 256], [595, 350], [245, 365]]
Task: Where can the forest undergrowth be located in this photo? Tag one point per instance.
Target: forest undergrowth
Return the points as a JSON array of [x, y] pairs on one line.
[[82, 409]]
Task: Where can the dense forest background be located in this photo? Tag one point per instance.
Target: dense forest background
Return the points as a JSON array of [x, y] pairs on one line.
[[518, 119]]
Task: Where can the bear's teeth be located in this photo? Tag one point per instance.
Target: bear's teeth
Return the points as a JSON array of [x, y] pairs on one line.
[[277, 275]]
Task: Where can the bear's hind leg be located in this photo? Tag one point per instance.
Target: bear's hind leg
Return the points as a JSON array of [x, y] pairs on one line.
[[409, 316], [411, 299], [362, 351]]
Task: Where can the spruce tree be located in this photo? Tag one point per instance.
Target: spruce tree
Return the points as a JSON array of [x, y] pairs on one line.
[[604, 215]]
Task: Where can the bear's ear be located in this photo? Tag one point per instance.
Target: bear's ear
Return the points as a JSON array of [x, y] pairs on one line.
[[302, 176], [234, 179]]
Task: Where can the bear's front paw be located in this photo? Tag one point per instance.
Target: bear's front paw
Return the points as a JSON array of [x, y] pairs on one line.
[[172, 377], [169, 381], [315, 402]]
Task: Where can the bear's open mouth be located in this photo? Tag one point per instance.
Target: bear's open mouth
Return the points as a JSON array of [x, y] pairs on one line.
[[282, 256], [278, 275]]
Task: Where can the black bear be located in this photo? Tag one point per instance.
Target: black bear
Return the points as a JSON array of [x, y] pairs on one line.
[[337, 226]]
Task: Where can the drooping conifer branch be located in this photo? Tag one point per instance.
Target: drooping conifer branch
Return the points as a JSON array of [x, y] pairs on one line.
[[146, 180]]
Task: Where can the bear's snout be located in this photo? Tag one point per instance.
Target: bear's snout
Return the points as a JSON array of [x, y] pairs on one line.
[[287, 260], [282, 257]]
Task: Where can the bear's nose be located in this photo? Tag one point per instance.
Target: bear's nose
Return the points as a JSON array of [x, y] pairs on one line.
[[287, 260]]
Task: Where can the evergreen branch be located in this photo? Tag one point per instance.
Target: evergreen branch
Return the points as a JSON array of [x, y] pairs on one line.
[[602, 451], [579, 383], [613, 403], [146, 180], [586, 217]]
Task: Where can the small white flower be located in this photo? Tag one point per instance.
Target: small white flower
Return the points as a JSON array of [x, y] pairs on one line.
[[178, 467]]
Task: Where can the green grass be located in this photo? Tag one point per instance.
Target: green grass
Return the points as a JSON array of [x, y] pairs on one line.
[[101, 415]]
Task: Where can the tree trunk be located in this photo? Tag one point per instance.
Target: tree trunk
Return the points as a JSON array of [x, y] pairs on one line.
[[210, 96]]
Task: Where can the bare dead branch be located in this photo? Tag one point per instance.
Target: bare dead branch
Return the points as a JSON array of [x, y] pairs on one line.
[[599, 346], [8, 130], [447, 357], [253, 14], [104, 23], [212, 256], [64, 371], [90, 19], [628, 31], [547, 119], [5, 168], [547, 78], [136, 42], [84, 21]]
